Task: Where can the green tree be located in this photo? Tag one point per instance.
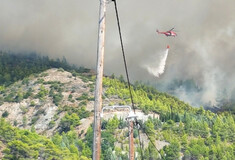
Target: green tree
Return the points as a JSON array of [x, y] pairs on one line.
[[5, 114], [69, 121], [24, 121], [112, 124], [89, 137], [173, 150], [19, 150], [149, 128]]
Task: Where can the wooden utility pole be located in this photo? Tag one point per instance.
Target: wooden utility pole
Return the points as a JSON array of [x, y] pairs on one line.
[[131, 118], [99, 83]]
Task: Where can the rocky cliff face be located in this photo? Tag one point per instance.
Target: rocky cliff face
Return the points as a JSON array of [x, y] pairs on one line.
[[38, 100]]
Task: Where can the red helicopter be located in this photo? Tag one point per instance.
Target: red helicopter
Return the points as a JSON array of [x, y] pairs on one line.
[[168, 33]]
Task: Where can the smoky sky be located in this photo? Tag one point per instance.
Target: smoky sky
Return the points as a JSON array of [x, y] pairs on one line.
[[203, 50]]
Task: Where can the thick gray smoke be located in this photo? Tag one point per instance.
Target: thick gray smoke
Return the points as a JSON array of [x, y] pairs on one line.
[[203, 51]]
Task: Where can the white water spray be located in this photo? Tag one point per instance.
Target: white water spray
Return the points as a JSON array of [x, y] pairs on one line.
[[159, 69]]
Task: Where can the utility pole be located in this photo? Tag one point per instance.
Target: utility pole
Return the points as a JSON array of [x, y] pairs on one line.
[[99, 82], [131, 118]]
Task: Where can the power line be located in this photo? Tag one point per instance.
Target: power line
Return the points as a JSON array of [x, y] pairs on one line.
[[149, 137], [141, 147], [126, 70], [123, 54], [128, 81]]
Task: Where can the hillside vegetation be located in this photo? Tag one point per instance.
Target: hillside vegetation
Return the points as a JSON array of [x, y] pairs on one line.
[[47, 114], [15, 67]]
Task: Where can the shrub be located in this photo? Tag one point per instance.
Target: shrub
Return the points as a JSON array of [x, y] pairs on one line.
[[44, 74], [24, 121], [25, 81], [51, 124], [28, 93], [84, 96], [40, 111], [5, 114], [40, 81], [57, 98], [83, 103], [15, 123], [32, 103], [61, 70], [42, 93], [24, 109], [69, 121], [34, 119]]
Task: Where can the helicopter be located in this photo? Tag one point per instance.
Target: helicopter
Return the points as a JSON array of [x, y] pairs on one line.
[[168, 33]]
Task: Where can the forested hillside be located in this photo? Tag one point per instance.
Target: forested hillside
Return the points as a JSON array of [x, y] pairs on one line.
[[193, 133], [44, 114], [14, 67]]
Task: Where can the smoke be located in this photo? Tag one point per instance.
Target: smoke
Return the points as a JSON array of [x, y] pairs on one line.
[[155, 68], [203, 51]]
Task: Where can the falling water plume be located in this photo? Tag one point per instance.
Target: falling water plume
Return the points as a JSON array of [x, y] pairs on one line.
[[160, 68]]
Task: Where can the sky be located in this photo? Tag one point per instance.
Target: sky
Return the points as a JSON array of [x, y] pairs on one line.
[[203, 51]]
